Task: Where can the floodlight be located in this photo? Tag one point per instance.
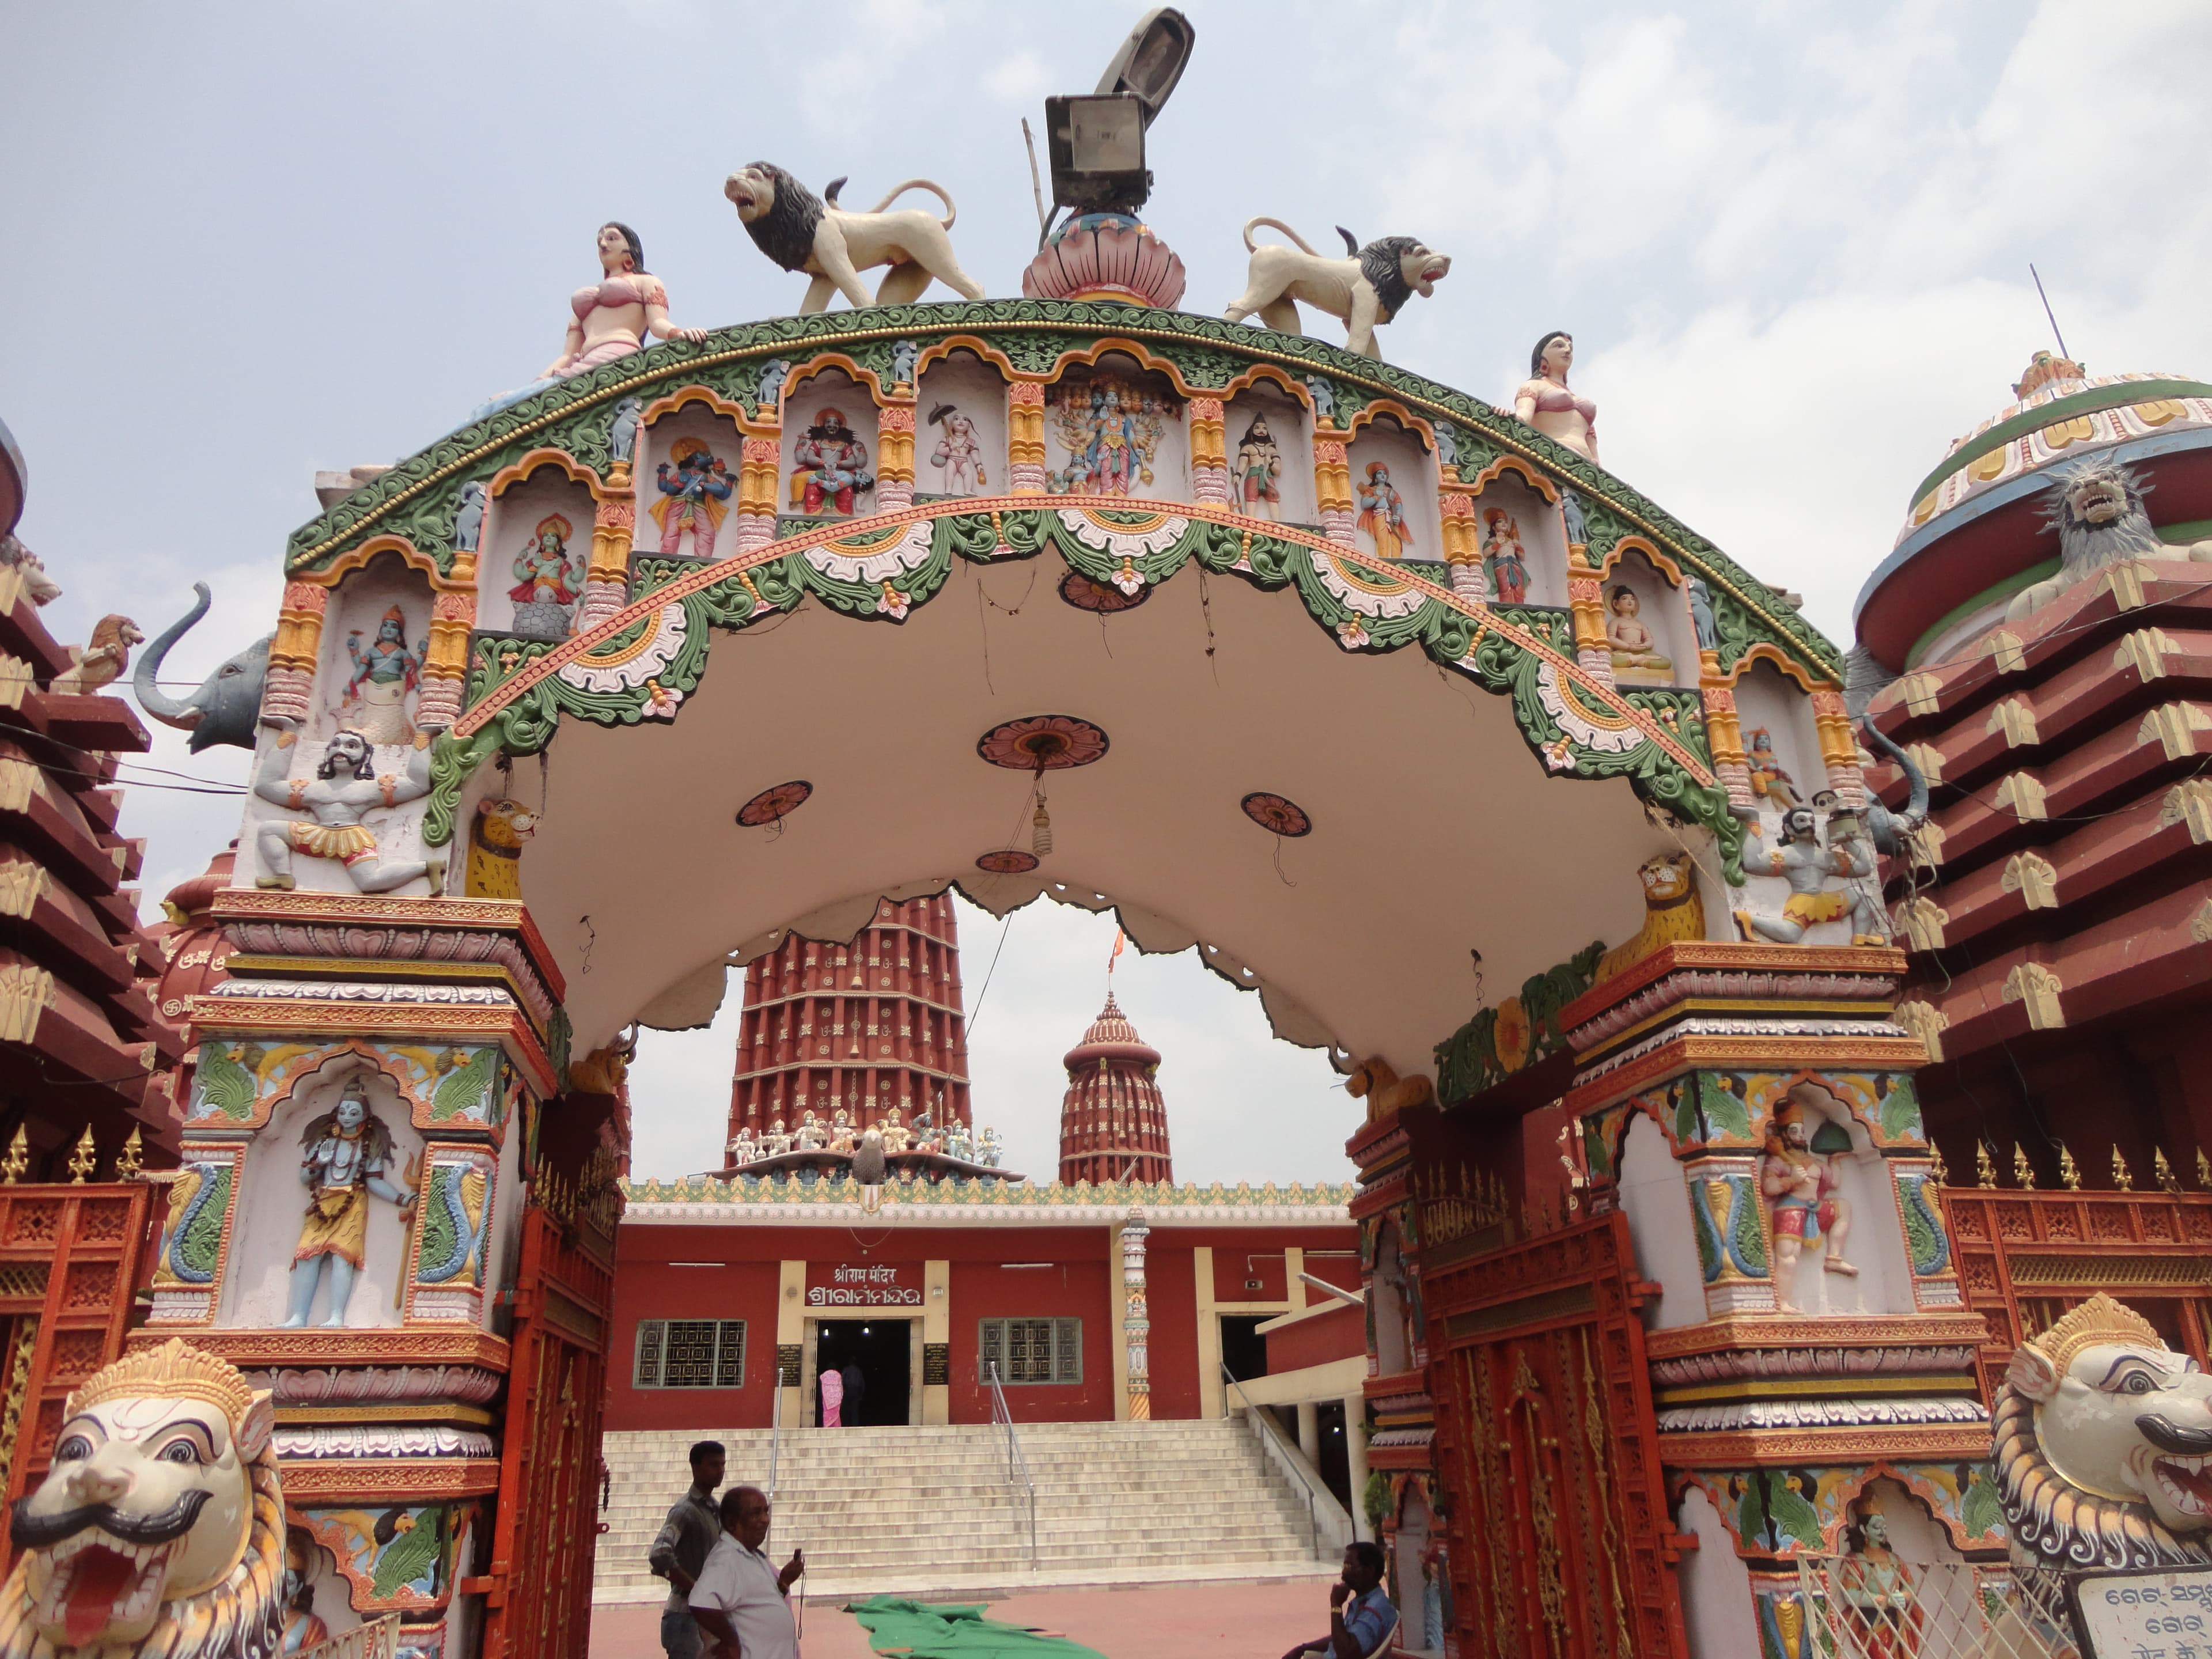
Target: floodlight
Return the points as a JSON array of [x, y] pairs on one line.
[[1096, 143]]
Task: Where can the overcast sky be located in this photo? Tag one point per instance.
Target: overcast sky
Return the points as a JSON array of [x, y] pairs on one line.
[[246, 242]]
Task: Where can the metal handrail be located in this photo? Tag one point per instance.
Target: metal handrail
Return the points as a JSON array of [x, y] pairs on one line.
[[774, 1430], [1258, 1416], [1017, 1467]]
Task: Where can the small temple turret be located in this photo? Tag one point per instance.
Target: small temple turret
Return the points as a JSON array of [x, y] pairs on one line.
[[1113, 1119]]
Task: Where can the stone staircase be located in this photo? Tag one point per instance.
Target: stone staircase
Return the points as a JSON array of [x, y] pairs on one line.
[[912, 1510]]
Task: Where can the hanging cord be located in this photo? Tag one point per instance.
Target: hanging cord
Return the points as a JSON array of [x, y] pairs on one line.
[[976, 1012], [1280, 875]]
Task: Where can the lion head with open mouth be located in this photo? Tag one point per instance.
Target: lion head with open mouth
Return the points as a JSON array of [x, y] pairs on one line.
[[160, 1529], [2104, 1444]]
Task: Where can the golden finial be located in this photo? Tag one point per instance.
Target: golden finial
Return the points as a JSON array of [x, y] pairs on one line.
[[2163, 1170], [2203, 1169], [2069, 1172], [1937, 1172], [1985, 1167], [2124, 1180], [18, 1160], [81, 1158], [131, 1162], [2021, 1171]]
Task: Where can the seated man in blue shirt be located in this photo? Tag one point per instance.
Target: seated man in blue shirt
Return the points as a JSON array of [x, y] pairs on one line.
[[1361, 1620]]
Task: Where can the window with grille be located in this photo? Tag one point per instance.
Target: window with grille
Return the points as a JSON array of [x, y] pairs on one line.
[[1031, 1350], [691, 1354]]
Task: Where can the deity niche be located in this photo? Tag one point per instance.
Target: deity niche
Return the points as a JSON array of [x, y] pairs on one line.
[[1636, 657], [345, 1155], [692, 494], [1110, 431], [549, 580], [1503, 557], [386, 674], [1768, 780], [958, 457], [1256, 474], [829, 467], [1383, 513], [1797, 1177]]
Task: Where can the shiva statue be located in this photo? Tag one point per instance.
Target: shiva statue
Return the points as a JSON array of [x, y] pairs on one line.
[[347, 1153]]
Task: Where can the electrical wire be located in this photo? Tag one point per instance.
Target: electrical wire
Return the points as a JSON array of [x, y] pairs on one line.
[[976, 1013]]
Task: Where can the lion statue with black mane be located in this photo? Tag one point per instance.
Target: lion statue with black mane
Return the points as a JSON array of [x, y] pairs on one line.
[[2096, 505], [159, 1530], [1363, 291], [801, 231], [2104, 1446]]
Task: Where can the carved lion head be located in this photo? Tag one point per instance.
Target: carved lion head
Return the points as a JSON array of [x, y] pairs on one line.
[[160, 1526], [2104, 1443]]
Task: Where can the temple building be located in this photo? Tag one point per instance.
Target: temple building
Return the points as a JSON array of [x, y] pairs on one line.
[[1112, 1123]]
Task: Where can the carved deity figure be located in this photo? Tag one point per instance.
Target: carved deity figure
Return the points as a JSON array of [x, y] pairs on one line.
[[1503, 556], [1111, 432], [1768, 780], [546, 573], [958, 457], [829, 467], [159, 1527], [897, 1137], [988, 1153], [1807, 868], [810, 1136], [743, 1149], [345, 788], [1545, 403], [691, 498], [346, 1153], [841, 1131], [955, 1141], [1634, 651], [776, 1141], [303, 1628], [386, 673], [1255, 479], [1382, 512], [1800, 1187]]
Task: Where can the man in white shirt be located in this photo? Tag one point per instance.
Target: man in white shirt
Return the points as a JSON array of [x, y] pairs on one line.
[[743, 1604]]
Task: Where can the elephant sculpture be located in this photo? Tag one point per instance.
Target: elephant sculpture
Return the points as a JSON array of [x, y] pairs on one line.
[[1888, 831], [224, 709]]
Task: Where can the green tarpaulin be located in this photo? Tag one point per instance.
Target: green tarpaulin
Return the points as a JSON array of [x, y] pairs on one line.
[[937, 1631]]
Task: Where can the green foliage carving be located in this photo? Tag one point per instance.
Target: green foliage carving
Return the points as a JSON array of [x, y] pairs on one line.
[[1724, 1108], [195, 1251], [440, 1239], [466, 1087], [1900, 1108], [224, 1084], [1750, 1234], [1468, 1061]]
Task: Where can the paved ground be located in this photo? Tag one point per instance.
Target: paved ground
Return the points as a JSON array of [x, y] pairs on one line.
[[1151, 1621]]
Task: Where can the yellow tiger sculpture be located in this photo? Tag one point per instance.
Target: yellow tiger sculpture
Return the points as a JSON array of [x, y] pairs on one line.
[[160, 1529], [495, 841], [1674, 912]]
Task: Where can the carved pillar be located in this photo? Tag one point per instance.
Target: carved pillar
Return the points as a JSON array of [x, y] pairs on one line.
[[1462, 542], [1586, 599], [1025, 438], [1136, 1320], [289, 691], [1209, 458], [1333, 484], [1724, 733], [894, 456], [757, 479], [446, 663], [1839, 749], [606, 582]]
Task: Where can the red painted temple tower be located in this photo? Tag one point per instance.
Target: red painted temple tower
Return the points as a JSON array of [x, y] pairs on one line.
[[1113, 1119], [869, 1027]]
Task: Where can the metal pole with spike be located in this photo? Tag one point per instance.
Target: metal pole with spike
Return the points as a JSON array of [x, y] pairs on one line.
[[2168, 1180], [2124, 1180], [2069, 1172], [1937, 1172], [82, 1158], [2021, 1171], [18, 1160], [1985, 1167]]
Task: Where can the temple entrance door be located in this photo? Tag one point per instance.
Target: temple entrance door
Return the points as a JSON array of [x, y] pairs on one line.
[[537, 1595], [882, 1352], [1558, 1538]]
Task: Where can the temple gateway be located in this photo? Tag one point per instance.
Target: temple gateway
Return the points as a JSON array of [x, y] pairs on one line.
[[1776, 1169]]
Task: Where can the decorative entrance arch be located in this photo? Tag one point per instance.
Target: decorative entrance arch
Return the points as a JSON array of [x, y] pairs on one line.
[[1319, 751]]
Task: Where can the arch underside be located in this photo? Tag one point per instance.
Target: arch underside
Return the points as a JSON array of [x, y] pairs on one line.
[[1435, 829]]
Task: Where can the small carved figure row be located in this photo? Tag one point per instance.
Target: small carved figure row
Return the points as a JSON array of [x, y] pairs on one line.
[[842, 1134]]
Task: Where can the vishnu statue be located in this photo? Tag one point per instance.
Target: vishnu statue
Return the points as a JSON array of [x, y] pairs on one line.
[[1801, 1188], [346, 1153]]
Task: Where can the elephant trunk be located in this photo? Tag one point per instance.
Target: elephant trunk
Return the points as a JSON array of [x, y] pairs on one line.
[[170, 711], [1915, 807]]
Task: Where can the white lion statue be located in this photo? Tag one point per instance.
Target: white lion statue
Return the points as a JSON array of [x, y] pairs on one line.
[[159, 1532], [801, 231], [1363, 291], [2104, 1445]]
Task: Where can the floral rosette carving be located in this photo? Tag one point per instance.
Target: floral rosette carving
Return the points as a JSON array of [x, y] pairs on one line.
[[631, 658]]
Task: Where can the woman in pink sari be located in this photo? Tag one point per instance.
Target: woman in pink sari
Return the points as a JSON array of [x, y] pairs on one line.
[[833, 1400]]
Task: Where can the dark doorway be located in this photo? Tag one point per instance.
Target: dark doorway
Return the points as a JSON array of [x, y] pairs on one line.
[[1335, 1454], [881, 1348], [1243, 1350]]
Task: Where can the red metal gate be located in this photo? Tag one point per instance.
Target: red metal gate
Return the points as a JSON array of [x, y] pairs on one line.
[[537, 1595], [1560, 1543], [69, 1260]]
